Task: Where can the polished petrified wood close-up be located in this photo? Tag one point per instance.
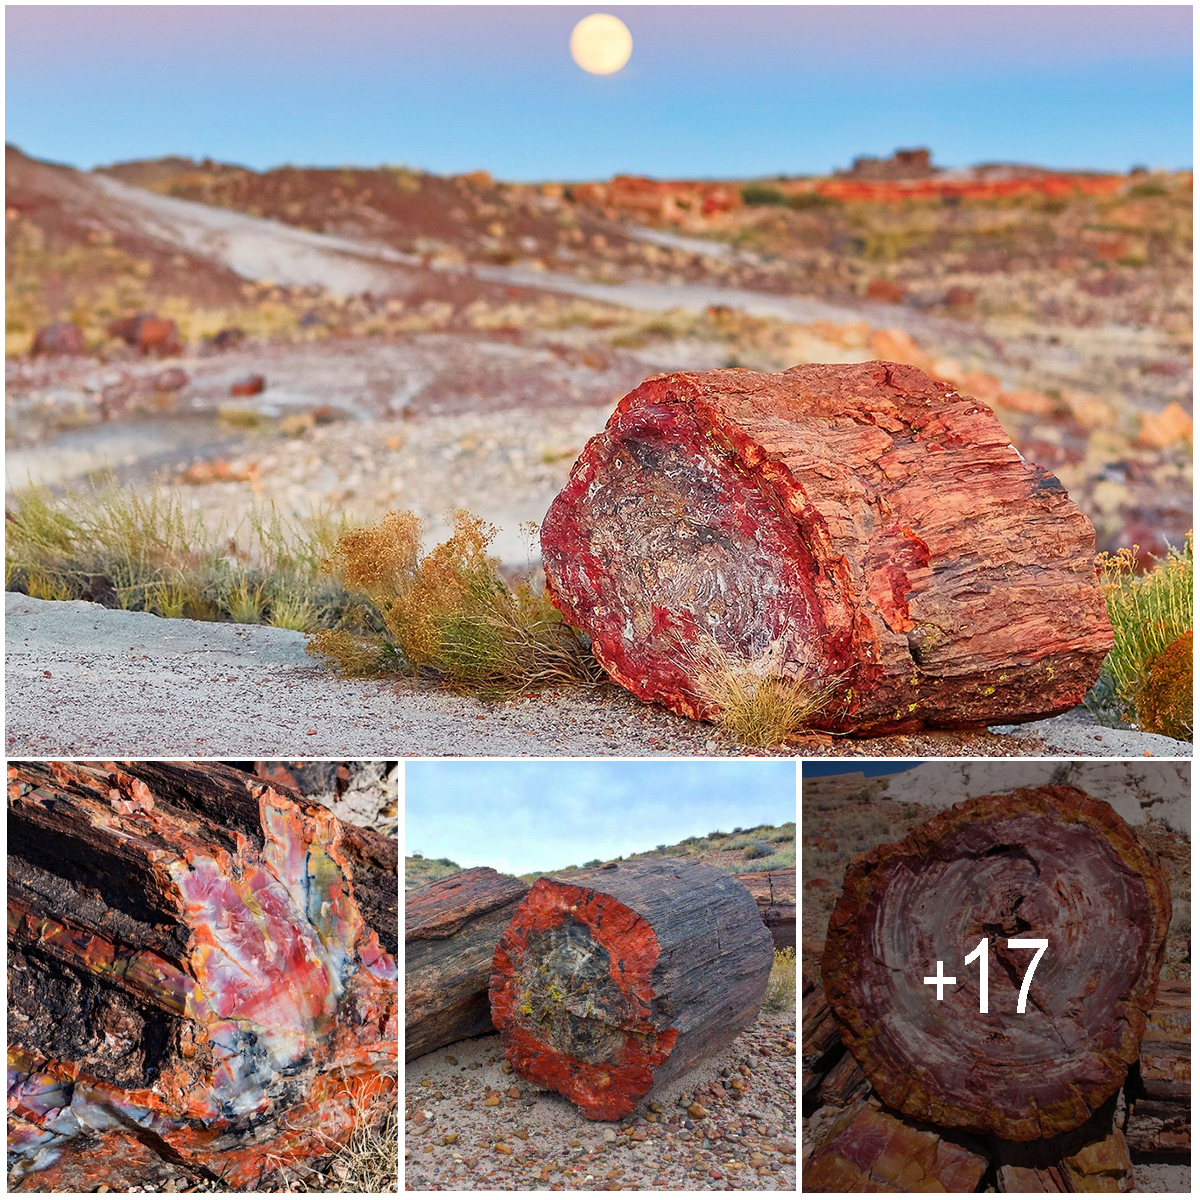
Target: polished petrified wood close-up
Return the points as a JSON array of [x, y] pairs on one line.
[[202, 975]]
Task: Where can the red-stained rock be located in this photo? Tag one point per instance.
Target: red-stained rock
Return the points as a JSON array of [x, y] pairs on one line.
[[148, 334], [1050, 863], [888, 291], [251, 385], [197, 959], [860, 528], [608, 983], [872, 1150], [61, 337], [172, 379]]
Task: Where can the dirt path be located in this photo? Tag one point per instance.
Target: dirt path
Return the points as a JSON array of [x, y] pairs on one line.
[[86, 680], [535, 1140]]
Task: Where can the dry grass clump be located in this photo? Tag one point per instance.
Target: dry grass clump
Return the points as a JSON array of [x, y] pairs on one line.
[[1149, 614], [781, 986], [755, 702], [146, 551], [448, 613]]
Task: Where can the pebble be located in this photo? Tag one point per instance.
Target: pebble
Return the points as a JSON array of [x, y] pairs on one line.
[[697, 1111], [514, 1093], [502, 1148], [449, 1138], [452, 1060], [491, 1101], [507, 1068]]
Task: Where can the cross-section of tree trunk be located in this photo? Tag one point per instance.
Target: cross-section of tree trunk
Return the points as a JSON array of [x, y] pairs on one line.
[[608, 983], [775, 894], [1050, 863], [861, 528], [196, 960], [451, 928]]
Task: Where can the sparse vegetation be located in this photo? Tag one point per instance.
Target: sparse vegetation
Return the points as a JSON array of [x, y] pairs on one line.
[[148, 552], [1149, 613], [448, 613], [781, 986]]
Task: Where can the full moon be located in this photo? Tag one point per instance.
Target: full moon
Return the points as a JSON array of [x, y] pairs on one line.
[[601, 44]]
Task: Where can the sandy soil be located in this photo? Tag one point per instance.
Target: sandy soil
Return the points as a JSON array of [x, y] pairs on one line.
[[536, 1140]]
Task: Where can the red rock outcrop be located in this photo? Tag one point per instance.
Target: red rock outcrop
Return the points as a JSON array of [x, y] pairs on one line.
[[862, 528]]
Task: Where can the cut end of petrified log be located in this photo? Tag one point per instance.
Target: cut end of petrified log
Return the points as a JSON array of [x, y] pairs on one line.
[[1049, 863], [211, 985], [860, 528], [571, 992]]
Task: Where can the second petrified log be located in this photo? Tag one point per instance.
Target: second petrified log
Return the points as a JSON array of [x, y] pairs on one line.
[[609, 982], [861, 528], [1049, 863], [451, 928], [201, 974]]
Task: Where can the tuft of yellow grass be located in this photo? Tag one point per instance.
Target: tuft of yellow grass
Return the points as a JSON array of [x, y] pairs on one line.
[[448, 613], [1148, 613], [781, 986]]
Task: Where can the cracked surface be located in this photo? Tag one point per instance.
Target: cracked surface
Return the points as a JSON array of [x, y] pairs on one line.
[[1049, 862], [280, 1012], [862, 527]]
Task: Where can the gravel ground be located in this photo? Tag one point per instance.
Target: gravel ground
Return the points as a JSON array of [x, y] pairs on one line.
[[84, 680], [533, 1139]]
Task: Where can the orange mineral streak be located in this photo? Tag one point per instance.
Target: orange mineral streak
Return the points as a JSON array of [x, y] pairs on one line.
[[288, 1002], [604, 1091]]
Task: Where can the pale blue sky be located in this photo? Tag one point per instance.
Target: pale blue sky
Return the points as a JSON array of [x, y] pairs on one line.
[[710, 90], [529, 816]]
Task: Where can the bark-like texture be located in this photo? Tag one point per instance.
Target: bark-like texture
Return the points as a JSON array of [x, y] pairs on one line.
[[872, 1150], [860, 527], [193, 964], [775, 894], [821, 1045], [1049, 862], [451, 928], [1160, 1109], [608, 983]]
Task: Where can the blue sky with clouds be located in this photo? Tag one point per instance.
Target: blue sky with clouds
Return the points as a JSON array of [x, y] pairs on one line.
[[710, 90], [529, 816]]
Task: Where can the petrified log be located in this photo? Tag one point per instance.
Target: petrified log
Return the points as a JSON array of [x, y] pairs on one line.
[[860, 528], [608, 983], [1050, 863], [872, 1150], [821, 1047], [196, 960], [1092, 1158], [451, 928], [775, 894], [1160, 1109]]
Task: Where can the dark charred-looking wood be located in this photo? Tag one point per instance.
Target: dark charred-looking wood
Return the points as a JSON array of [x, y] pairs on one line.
[[1048, 862], [872, 1150], [844, 1083], [192, 971], [821, 1046], [861, 528], [775, 894], [451, 928], [610, 982]]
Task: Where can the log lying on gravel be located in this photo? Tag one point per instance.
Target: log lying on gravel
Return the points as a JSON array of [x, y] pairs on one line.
[[201, 974], [608, 983], [775, 894], [861, 528], [872, 1150], [451, 928], [1048, 863]]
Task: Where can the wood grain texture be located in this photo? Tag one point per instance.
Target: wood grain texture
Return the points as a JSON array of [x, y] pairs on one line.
[[190, 961], [1049, 862], [608, 983], [872, 1150], [451, 928], [1160, 1107], [862, 527]]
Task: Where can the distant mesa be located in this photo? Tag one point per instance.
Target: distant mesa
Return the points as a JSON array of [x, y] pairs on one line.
[[916, 163]]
